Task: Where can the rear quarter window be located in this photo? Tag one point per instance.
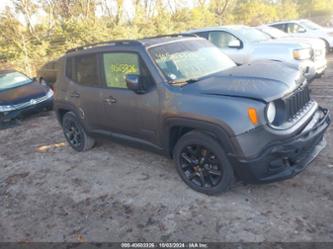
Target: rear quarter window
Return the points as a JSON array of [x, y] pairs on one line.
[[69, 68]]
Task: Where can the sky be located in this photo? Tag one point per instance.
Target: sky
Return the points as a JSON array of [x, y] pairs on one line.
[[3, 3]]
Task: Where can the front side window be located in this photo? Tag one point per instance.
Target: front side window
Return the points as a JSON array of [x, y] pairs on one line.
[[10, 80], [189, 59], [117, 65], [252, 35], [221, 39], [86, 70], [274, 32], [311, 25], [294, 28]]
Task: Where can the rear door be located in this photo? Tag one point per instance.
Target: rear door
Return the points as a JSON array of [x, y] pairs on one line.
[[85, 90], [127, 112]]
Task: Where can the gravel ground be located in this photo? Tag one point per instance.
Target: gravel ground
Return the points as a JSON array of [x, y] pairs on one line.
[[118, 193]]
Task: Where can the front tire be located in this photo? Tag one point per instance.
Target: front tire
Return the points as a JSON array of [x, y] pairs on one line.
[[327, 45], [202, 163], [75, 134]]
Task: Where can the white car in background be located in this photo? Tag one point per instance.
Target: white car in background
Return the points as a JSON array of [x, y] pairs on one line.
[[245, 44], [318, 45], [306, 28]]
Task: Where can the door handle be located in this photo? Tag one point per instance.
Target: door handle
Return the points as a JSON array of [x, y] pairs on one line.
[[75, 95], [110, 100]]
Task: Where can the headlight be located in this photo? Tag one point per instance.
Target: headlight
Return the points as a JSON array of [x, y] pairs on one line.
[[302, 54], [49, 94], [6, 108], [271, 112]]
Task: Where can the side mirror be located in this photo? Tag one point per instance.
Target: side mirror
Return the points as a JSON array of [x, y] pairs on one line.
[[133, 82], [235, 44], [301, 30]]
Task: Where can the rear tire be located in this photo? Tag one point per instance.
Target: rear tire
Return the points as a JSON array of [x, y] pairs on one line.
[[75, 134], [202, 163]]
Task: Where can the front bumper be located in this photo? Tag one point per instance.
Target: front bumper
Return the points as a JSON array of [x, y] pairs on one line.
[[42, 106], [312, 69], [288, 158]]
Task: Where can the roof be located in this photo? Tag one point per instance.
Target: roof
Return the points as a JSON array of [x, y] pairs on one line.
[[145, 42], [9, 70], [287, 21], [225, 27]]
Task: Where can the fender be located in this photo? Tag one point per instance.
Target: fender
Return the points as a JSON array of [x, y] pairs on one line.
[[69, 107], [222, 134]]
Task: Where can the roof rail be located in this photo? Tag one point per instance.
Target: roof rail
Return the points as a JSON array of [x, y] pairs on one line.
[[114, 42], [171, 35]]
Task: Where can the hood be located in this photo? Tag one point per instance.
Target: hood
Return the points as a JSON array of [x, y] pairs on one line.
[[22, 94], [285, 43], [328, 29], [314, 42], [264, 81]]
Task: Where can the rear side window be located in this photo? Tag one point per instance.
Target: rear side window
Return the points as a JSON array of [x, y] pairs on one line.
[[86, 72], [117, 65]]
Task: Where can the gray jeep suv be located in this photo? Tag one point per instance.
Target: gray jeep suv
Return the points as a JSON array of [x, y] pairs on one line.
[[181, 96]]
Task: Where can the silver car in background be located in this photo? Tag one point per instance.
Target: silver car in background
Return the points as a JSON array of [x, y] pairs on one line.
[[306, 28], [246, 44], [318, 45]]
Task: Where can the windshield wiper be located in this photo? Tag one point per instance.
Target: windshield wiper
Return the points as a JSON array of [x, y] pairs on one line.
[[184, 82]]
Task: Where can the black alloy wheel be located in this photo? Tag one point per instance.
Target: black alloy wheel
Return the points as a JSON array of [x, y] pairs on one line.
[[75, 134], [202, 163], [72, 133], [200, 166]]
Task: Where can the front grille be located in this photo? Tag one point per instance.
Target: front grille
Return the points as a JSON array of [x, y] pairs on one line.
[[318, 54], [295, 102], [30, 103]]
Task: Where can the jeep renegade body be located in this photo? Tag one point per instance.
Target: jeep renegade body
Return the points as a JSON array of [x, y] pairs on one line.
[[244, 44], [181, 96]]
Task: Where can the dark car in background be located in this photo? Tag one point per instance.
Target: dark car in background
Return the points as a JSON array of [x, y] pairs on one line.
[[47, 74], [21, 95]]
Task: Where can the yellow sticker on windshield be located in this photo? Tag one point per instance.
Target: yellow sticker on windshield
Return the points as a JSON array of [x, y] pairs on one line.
[[124, 68]]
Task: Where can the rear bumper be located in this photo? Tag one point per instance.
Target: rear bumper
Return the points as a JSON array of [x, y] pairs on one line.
[[288, 158], [45, 105]]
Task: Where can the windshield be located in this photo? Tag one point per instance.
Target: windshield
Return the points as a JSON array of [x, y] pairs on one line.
[[12, 79], [253, 35], [189, 60], [273, 32], [310, 25]]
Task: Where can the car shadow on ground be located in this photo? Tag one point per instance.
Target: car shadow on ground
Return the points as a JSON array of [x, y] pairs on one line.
[[18, 121]]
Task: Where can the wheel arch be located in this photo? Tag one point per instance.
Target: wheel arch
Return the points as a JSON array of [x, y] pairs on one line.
[[327, 44], [177, 127], [61, 109]]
